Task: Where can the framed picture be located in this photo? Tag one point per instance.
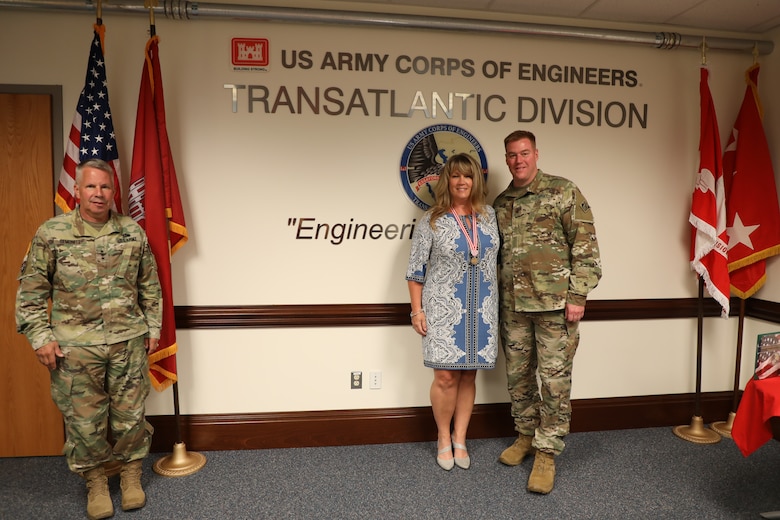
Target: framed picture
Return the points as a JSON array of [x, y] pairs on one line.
[[768, 355]]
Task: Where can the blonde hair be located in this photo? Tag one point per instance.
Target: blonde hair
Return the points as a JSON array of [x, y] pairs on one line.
[[465, 164]]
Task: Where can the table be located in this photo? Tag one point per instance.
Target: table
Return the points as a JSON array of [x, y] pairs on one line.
[[758, 419], [758, 416]]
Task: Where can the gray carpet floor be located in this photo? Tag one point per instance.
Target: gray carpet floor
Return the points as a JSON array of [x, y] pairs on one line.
[[637, 474]]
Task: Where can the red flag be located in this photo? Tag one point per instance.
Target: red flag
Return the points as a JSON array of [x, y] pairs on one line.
[[753, 216], [155, 204], [708, 205], [92, 131]]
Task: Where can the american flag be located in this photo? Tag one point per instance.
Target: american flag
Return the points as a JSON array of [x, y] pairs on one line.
[[92, 132], [768, 363]]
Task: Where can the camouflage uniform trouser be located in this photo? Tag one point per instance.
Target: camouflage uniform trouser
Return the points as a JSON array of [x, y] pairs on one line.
[[97, 385], [543, 343]]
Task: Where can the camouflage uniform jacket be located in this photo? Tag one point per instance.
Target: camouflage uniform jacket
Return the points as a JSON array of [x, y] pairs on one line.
[[103, 284], [549, 254]]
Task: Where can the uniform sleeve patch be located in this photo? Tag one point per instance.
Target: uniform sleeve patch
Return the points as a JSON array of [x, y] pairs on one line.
[[24, 261], [582, 210]]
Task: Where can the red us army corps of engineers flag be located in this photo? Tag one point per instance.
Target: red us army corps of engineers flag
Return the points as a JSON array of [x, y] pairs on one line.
[[753, 216], [92, 132], [156, 205], [708, 205]]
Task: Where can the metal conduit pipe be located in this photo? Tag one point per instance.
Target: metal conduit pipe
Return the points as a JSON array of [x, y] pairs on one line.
[[185, 10]]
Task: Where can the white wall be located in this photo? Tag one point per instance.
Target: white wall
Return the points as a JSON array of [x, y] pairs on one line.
[[243, 175], [770, 79]]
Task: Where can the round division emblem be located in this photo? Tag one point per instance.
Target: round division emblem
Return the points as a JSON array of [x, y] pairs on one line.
[[425, 155]]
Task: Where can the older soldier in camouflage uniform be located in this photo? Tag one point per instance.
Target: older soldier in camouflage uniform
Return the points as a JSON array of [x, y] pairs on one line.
[[97, 269], [549, 262]]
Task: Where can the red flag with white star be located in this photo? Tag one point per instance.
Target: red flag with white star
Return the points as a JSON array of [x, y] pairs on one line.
[[752, 212]]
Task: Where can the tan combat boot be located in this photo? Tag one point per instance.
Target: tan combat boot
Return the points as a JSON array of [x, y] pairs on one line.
[[99, 503], [133, 496], [514, 455], [542, 476]]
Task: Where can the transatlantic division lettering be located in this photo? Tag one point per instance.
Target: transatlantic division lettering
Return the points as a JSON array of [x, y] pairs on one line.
[[307, 228], [335, 101]]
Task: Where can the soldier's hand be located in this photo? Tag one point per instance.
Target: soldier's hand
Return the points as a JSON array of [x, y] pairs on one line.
[[574, 313], [151, 344], [48, 355]]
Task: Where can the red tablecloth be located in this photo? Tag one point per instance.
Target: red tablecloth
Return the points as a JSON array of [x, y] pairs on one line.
[[759, 404]]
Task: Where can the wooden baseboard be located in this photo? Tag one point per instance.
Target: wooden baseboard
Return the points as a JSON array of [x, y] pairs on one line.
[[390, 425]]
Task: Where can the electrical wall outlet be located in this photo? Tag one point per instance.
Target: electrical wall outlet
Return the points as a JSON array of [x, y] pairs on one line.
[[356, 380], [375, 379]]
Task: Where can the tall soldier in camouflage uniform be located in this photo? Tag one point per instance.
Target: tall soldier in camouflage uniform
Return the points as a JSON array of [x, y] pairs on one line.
[[549, 262], [97, 269]]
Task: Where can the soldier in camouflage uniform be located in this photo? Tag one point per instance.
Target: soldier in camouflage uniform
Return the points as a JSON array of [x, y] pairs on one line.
[[97, 269], [549, 262]]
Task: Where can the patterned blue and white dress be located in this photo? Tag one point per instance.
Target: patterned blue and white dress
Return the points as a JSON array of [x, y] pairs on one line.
[[460, 300]]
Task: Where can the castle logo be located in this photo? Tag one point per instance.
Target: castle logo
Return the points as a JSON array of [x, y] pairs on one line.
[[250, 53], [424, 157]]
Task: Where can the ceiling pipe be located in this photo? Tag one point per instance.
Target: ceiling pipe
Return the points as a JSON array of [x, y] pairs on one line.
[[184, 10]]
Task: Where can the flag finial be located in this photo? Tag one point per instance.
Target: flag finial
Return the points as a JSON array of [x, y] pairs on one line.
[[151, 4], [703, 50], [755, 53]]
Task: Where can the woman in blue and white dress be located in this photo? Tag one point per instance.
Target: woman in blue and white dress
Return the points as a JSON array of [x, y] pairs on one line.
[[454, 295]]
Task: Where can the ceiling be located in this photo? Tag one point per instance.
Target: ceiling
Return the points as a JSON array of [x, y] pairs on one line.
[[744, 16]]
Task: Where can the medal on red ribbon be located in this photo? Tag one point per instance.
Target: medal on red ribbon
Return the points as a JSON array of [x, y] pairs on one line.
[[473, 243]]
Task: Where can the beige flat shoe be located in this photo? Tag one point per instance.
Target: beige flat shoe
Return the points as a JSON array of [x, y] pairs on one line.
[[462, 462], [445, 464]]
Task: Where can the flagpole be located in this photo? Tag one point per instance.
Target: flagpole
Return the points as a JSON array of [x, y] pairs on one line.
[[696, 432], [158, 228], [724, 427]]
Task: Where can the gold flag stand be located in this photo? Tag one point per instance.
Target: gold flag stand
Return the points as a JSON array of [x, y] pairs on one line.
[[181, 462], [724, 427], [696, 432]]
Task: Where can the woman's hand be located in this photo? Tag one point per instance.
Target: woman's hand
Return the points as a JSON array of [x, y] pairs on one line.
[[419, 324]]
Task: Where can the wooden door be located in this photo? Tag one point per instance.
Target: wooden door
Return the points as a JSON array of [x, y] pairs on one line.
[[30, 424]]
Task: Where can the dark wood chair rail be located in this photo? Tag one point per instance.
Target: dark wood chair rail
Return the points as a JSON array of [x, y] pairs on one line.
[[389, 314]]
